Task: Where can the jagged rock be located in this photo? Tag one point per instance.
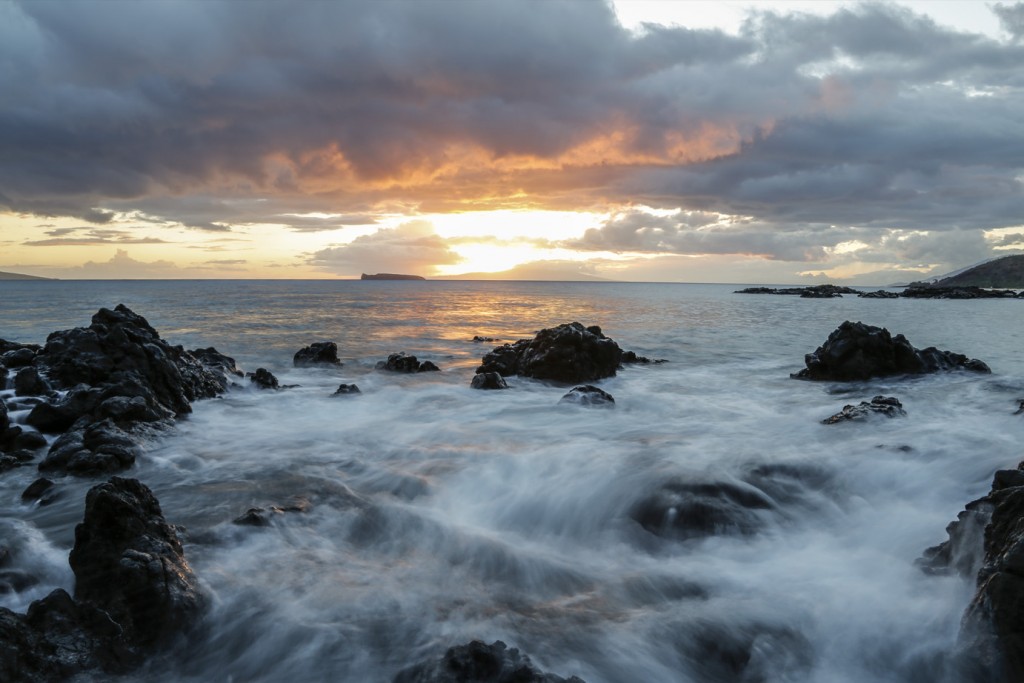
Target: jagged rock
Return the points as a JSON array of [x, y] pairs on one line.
[[889, 406], [916, 291], [814, 292], [991, 642], [9, 461], [320, 353], [223, 366], [478, 338], [263, 379], [855, 351], [40, 490], [478, 662], [488, 380], [56, 417], [262, 516], [28, 382], [346, 389], [630, 358], [569, 353], [880, 294], [120, 346], [400, 362], [129, 562], [95, 449], [588, 395]]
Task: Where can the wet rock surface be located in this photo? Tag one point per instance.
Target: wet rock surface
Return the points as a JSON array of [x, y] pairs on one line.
[[814, 292], [263, 379], [488, 380], [478, 662], [98, 448], [319, 353], [682, 509], [856, 351], [346, 390], [568, 353], [588, 395], [968, 292], [886, 406], [402, 362]]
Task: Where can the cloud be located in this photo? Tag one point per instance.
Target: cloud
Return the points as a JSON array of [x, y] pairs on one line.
[[411, 248], [89, 237], [123, 266], [873, 116], [1011, 17]]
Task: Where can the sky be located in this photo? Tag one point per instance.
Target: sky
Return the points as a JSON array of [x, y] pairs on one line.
[[741, 142]]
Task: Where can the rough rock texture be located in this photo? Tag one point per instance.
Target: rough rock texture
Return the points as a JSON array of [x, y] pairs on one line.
[[263, 379], [400, 362], [588, 395], [889, 406], [100, 447], [814, 292], [40, 490], [569, 353], [488, 380], [346, 389], [991, 644], [129, 562], [855, 351], [5, 418], [28, 382], [479, 338], [938, 292], [879, 294], [320, 353], [479, 662], [224, 367]]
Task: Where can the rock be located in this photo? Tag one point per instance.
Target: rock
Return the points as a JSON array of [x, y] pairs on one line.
[[121, 347], [1020, 409], [568, 353], [400, 362], [991, 642], [745, 651], [263, 379], [921, 291], [478, 338], [56, 417], [28, 441], [346, 389], [588, 395], [320, 353], [28, 382], [20, 357], [880, 294], [488, 380], [630, 357], [262, 516], [40, 490], [129, 562], [815, 292], [5, 418], [855, 351], [8, 461], [98, 448], [478, 662], [681, 509], [888, 406], [224, 367]]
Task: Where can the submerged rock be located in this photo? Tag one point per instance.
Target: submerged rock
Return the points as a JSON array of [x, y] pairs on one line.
[[745, 652], [855, 351], [478, 338], [129, 562], [889, 406], [263, 379], [588, 395], [479, 662], [488, 380], [401, 362], [319, 353], [346, 389], [40, 490], [569, 353], [681, 509]]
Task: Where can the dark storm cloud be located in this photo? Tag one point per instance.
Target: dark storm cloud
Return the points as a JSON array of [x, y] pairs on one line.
[[213, 114], [1011, 17]]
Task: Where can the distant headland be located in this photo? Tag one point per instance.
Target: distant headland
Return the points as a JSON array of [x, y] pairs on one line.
[[390, 276], [19, 276]]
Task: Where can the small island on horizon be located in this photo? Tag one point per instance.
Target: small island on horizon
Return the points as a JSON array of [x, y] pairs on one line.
[[390, 276], [19, 276]]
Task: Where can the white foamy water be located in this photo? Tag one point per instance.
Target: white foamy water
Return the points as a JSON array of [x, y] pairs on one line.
[[439, 514]]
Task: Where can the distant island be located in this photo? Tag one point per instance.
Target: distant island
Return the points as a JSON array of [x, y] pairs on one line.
[[390, 276], [19, 276], [1002, 273]]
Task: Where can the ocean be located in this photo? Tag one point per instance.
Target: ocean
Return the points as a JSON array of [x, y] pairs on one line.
[[438, 514]]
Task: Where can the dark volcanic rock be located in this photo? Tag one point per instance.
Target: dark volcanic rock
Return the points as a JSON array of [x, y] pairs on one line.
[[478, 338], [889, 406], [5, 418], [56, 417], [263, 379], [40, 490], [745, 652], [479, 662], [346, 389], [224, 367], [814, 292], [488, 380], [682, 509], [588, 395], [28, 382], [98, 448], [320, 353], [19, 357], [568, 353], [263, 516], [129, 562], [28, 441], [917, 291], [400, 362], [855, 351], [880, 294], [121, 347]]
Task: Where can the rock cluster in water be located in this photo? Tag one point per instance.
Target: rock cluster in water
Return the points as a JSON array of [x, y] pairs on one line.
[[588, 395], [134, 594], [888, 406], [319, 353], [478, 662], [401, 362], [814, 292], [914, 291], [856, 351]]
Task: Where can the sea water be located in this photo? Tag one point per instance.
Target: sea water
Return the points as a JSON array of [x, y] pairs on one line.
[[438, 514]]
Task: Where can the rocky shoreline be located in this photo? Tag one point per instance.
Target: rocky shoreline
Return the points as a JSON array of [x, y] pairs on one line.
[[829, 291], [87, 401]]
